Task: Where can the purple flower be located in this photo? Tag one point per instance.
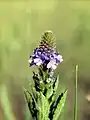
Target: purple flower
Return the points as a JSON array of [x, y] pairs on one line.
[[45, 56], [37, 61], [52, 64]]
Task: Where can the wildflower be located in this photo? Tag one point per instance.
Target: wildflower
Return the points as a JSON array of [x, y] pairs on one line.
[[42, 94], [45, 55]]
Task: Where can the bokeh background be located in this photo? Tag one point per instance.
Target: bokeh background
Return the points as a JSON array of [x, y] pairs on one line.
[[21, 25]]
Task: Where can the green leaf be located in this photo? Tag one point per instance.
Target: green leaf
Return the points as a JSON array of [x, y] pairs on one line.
[[49, 92], [59, 105], [27, 95], [32, 105], [27, 113], [43, 107], [55, 86]]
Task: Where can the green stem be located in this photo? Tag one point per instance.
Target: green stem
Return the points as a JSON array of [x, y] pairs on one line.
[[75, 111]]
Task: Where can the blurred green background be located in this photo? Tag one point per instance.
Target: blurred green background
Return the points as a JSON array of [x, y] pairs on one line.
[[21, 25]]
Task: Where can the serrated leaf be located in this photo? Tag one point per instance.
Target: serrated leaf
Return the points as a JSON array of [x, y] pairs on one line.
[[59, 106], [32, 105], [49, 92], [55, 86], [43, 107], [27, 95]]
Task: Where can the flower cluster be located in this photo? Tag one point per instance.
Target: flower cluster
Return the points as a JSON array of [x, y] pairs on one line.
[[45, 56]]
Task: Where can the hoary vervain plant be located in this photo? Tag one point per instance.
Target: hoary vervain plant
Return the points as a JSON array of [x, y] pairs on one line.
[[42, 101]]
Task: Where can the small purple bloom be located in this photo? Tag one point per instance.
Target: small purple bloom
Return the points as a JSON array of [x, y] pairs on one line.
[[37, 61], [52, 64], [45, 56]]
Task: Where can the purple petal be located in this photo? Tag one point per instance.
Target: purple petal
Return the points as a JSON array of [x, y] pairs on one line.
[[52, 64], [61, 60], [38, 61], [59, 57]]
